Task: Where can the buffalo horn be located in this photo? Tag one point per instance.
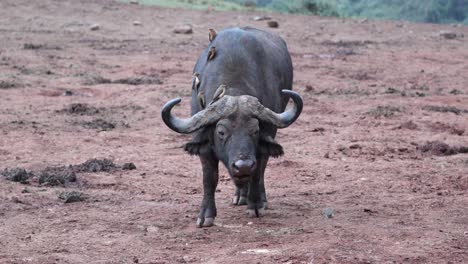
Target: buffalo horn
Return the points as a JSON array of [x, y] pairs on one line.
[[224, 107], [284, 119]]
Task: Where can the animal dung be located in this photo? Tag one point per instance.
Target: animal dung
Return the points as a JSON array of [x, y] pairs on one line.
[[212, 34], [272, 24], [211, 53]]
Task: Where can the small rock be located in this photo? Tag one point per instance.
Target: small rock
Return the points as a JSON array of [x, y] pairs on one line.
[[72, 197], [136, 23], [135, 259], [129, 166], [94, 27], [273, 24], [152, 229], [355, 146], [134, 2], [328, 212], [68, 93], [183, 29]]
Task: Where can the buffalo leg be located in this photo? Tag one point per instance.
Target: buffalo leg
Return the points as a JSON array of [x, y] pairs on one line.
[[256, 199], [210, 181], [262, 183]]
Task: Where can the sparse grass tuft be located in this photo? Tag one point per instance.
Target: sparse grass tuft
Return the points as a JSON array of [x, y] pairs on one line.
[[384, 111]]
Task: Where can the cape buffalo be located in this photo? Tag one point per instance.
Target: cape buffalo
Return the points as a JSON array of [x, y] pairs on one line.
[[242, 83]]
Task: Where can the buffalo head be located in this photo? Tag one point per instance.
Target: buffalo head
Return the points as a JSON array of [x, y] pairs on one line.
[[231, 127]]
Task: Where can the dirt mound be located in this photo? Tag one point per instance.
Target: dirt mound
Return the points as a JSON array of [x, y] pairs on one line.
[[443, 127], [99, 124], [73, 197], [63, 175], [139, 80], [440, 148], [444, 109], [7, 84], [95, 165], [54, 176], [17, 175]]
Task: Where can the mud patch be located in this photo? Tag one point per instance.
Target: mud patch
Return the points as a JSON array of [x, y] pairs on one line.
[[442, 127], [17, 175], [99, 124], [444, 109], [95, 80], [32, 46], [64, 176], [348, 43], [73, 197], [138, 80], [439, 148], [80, 109], [408, 125], [141, 80], [384, 111], [55, 176], [6, 84]]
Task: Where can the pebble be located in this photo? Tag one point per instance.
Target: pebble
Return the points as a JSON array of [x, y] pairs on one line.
[[136, 23], [94, 27], [135, 2], [328, 212], [183, 29]]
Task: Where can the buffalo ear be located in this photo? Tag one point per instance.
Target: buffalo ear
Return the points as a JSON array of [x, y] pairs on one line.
[[269, 146], [196, 148], [200, 143]]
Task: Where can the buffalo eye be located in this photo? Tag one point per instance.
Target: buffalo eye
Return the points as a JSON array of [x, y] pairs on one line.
[[221, 132]]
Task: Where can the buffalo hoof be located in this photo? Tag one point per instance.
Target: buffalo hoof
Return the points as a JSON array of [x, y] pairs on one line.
[[205, 222], [256, 212], [239, 200]]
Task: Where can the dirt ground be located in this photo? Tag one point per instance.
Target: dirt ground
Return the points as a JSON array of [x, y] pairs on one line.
[[380, 146]]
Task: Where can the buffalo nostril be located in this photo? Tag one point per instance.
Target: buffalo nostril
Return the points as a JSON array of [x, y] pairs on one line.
[[243, 167]]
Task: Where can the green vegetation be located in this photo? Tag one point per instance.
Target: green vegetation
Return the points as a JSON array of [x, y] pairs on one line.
[[432, 11]]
